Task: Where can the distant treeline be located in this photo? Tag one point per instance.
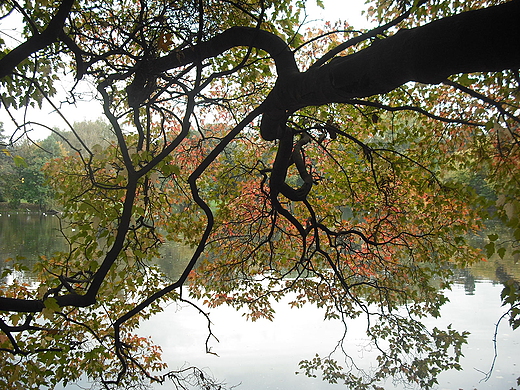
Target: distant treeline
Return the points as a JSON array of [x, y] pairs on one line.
[[23, 185]]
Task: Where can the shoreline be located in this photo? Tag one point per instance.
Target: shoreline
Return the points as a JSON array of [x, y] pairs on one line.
[[23, 206]]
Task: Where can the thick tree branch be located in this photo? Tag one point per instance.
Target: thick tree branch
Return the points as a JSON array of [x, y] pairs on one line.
[[233, 37], [146, 71], [426, 54], [37, 41]]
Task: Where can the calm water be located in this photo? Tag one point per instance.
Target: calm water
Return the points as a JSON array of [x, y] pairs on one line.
[[29, 235], [265, 355]]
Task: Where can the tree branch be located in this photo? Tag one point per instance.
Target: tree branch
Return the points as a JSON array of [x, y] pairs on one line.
[[426, 54], [37, 41]]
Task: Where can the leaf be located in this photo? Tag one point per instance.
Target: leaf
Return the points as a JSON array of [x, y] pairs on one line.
[[175, 169], [19, 161], [517, 234], [48, 313], [165, 42], [465, 80], [493, 237], [52, 304], [490, 249], [459, 240]]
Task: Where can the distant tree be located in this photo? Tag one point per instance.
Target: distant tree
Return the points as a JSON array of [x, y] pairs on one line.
[[21, 171], [4, 163], [318, 163], [85, 135]]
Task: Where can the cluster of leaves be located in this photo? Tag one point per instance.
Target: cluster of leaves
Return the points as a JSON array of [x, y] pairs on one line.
[[384, 233], [422, 357], [77, 341], [94, 182], [511, 296]]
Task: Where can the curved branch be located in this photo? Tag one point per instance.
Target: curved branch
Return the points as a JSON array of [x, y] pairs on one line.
[[279, 172], [192, 180], [233, 37]]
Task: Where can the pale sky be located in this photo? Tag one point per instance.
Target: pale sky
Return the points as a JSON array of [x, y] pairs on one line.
[[346, 10]]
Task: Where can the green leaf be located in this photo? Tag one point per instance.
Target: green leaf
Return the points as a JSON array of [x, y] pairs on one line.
[[52, 304], [465, 80], [490, 249], [493, 237], [459, 240], [19, 161], [175, 169], [517, 234]]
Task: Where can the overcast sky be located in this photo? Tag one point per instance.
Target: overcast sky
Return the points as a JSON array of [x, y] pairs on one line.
[[346, 10]]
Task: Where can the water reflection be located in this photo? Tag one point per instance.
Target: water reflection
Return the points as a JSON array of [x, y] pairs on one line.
[[29, 235], [478, 314], [465, 278], [266, 354]]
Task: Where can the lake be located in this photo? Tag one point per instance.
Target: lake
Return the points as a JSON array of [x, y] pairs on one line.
[[265, 355]]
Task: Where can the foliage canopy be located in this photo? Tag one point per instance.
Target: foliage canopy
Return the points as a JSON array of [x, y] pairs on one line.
[[323, 162]]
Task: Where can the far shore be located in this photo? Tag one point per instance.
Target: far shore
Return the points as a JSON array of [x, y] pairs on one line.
[[32, 207]]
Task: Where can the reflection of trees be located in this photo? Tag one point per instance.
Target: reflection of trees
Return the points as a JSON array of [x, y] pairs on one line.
[[174, 257], [503, 276], [498, 264], [29, 235], [465, 277]]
